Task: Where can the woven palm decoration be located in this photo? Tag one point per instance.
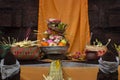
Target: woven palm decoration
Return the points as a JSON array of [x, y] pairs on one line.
[[56, 70]]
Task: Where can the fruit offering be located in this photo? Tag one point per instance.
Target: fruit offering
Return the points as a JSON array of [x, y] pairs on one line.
[[76, 56], [56, 25], [55, 34]]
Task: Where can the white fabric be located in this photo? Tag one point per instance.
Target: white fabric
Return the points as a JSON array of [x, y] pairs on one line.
[[9, 70], [107, 66]]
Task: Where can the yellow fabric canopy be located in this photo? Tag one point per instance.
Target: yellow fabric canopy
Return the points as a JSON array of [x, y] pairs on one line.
[[72, 12]]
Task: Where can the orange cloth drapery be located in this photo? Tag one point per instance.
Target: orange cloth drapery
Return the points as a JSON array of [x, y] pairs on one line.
[[72, 12]]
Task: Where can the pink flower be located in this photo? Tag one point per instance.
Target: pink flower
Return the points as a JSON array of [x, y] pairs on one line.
[[49, 41], [52, 20], [101, 52]]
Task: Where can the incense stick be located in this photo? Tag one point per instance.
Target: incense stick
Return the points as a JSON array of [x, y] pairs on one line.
[[109, 40]]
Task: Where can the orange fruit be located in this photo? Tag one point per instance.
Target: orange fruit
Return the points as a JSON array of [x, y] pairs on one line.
[[44, 43], [61, 44]]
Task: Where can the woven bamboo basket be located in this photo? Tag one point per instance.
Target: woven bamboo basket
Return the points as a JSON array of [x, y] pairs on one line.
[[26, 53], [94, 52]]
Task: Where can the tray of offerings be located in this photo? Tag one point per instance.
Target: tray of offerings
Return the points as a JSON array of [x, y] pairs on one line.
[[55, 52], [55, 45], [54, 49]]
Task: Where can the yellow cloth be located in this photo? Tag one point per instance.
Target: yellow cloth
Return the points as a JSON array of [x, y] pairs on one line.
[[72, 12], [77, 73]]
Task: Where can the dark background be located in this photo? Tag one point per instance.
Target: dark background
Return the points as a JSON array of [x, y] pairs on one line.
[[16, 16], [104, 16]]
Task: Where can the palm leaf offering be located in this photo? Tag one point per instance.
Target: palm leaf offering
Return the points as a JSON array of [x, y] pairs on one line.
[[48, 77], [14, 43], [56, 70], [25, 43], [23, 50], [97, 43], [8, 42], [117, 47]]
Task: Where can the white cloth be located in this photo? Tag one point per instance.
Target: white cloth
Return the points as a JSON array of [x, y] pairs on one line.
[[9, 70], [107, 66]]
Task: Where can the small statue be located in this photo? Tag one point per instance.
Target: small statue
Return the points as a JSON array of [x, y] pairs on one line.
[[9, 65], [108, 66]]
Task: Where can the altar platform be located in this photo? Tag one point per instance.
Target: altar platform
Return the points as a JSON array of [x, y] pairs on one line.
[[73, 70]]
